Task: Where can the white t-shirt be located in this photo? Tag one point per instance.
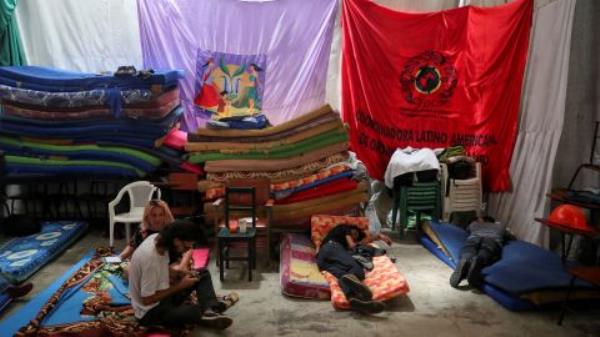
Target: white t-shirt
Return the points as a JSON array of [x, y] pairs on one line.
[[148, 273]]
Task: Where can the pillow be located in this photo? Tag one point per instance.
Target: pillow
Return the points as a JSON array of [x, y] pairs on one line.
[[320, 225]]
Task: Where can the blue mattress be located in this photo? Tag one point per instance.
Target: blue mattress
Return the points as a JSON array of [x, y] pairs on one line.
[[523, 268], [79, 170], [89, 128], [57, 80], [507, 300], [10, 148], [11, 324], [4, 298], [22, 257]]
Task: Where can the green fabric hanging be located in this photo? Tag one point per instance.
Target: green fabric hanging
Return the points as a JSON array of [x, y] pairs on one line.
[[11, 52]]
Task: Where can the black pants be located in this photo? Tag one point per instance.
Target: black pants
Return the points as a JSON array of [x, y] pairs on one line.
[[338, 261], [487, 251], [172, 312]]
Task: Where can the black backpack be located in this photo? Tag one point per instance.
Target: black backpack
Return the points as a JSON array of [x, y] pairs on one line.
[[461, 167]]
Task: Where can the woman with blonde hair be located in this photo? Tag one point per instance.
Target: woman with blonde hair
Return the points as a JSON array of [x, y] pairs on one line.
[[157, 215]]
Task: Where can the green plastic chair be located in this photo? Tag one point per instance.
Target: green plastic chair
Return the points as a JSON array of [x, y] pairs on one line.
[[418, 198]]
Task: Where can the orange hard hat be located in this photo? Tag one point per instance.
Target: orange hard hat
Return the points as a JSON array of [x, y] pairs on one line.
[[569, 216]]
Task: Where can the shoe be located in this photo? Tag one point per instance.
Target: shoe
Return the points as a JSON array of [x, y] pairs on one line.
[[20, 290], [358, 288], [474, 276], [364, 262], [227, 301], [216, 321], [460, 273], [366, 307]]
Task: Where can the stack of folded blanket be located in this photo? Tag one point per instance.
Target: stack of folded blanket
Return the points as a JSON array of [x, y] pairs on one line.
[[56, 122], [305, 159]]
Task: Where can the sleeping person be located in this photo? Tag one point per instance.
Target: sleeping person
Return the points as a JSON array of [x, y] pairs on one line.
[[482, 248], [335, 257]]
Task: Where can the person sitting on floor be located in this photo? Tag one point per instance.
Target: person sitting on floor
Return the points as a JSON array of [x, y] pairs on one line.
[[335, 257], [482, 248], [158, 302]]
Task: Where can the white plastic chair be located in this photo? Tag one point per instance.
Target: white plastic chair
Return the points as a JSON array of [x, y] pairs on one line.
[[460, 195], [140, 193]]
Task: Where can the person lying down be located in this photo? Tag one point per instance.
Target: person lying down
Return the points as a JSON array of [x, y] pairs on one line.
[[345, 254]]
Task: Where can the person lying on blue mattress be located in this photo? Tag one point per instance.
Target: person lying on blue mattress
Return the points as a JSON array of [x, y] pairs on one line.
[[482, 248], [336, 257], [157, 301]]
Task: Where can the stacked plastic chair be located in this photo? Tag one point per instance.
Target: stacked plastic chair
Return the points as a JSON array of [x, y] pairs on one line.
[[460, 195]]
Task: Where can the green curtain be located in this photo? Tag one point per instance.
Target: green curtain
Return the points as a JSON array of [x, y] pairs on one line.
[[11, 52]]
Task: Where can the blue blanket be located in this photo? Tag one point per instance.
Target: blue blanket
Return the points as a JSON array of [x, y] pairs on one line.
[[57, 80], [22, 257]]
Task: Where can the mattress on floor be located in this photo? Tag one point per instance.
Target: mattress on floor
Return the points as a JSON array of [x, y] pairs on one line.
[[384, 281], [22, 257], [4, 298], [299, 274], [58, 80], [89, 300], [509, 301], [524, 272]]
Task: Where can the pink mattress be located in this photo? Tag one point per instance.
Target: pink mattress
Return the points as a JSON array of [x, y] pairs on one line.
[[300, 276]]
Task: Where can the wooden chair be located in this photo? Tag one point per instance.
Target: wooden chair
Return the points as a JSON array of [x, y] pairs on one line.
[[262, 205]]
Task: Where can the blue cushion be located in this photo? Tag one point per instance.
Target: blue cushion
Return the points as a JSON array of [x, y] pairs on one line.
[[523, 268], [452, 237], [22, 257]]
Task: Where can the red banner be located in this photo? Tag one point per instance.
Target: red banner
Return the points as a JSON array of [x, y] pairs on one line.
[[435, 79]]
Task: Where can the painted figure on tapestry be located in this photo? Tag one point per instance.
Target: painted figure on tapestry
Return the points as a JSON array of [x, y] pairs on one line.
[[229, 85]]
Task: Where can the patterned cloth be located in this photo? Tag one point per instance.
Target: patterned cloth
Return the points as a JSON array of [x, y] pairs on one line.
[[95, 97], [112, 316], [219, 191], [385, 282], [283, 175]]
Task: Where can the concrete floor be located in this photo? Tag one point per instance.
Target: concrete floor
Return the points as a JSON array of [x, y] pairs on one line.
[[432, 308]]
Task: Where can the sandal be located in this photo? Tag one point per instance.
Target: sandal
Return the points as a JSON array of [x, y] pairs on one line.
[[229, 300]]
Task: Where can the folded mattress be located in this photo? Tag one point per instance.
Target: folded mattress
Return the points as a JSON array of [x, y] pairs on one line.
[[57, 80], [156, 109], [284, 151], [283, 175], [19, 165], [81, 130], [138, 159], [270, 165], [298, 270], [264, 145], [22, 257]]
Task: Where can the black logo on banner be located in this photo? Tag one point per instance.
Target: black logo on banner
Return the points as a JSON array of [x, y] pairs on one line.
[[428, 79]]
